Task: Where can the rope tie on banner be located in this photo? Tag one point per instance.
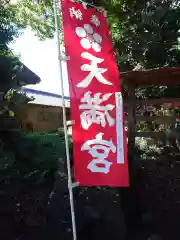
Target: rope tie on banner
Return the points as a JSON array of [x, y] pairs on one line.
[[64, 58]]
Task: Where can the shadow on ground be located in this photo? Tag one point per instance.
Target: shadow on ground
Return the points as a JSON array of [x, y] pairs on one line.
[[34, 201]]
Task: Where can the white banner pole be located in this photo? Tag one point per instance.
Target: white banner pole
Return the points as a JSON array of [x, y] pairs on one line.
[[64, 58]]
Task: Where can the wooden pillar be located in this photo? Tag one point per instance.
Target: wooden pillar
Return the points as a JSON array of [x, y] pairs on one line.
[[129, 199], [131, 122]]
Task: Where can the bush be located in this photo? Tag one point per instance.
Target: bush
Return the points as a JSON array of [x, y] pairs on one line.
[[28, 163]]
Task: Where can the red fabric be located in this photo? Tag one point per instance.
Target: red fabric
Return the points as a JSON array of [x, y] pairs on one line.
[[118, 173]]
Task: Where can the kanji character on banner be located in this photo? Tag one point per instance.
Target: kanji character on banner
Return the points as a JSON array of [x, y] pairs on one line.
[[76, 13], [95, 20], [94, 112], [94, 71], [99, 149]]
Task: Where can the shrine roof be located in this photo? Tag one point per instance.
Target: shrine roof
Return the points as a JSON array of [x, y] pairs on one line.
[[149, 77]]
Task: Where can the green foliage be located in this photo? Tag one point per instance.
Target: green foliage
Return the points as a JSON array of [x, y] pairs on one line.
[[31, 14], [10, 66], [10, 99], [28, 163], [12, 102], [29, 158], [145, 34], [8, 30]]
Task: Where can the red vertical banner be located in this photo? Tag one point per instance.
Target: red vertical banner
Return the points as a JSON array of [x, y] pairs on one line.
[[99, 141]]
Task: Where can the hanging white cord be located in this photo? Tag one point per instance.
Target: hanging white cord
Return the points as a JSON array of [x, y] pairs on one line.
[[62, 58]]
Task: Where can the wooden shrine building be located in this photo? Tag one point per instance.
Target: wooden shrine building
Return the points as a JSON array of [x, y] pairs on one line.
[[140, 79]]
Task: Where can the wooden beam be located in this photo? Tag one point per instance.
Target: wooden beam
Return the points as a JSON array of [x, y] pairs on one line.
[[151, 134], [156, 135], [158, 101], [157, 119], [131, 123]]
